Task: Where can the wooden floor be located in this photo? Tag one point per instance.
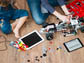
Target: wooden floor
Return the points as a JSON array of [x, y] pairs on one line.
[[11, 55]]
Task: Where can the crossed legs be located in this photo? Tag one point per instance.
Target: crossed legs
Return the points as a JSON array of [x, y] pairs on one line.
[[17, 25]]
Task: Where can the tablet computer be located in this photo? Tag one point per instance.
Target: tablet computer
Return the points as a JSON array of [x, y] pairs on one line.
[[32, 39], [73, 45]]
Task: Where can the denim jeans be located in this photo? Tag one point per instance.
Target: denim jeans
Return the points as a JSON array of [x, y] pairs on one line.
[[10, 14], [35, 8]]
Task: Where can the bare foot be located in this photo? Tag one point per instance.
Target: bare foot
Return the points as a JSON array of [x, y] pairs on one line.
[[16, 32], [13, 26]]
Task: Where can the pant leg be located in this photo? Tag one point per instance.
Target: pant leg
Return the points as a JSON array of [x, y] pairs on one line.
[[61, 2], [53, 3], [50, 7], [56, 2], [35, 9], [6, 26], [18, 13], [47, 6]]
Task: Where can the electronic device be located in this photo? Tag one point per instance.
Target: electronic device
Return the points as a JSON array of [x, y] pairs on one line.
[[74, 21], [32, 39], [73, 45]]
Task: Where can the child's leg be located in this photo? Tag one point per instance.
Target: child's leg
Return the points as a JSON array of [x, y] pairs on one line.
[[20, 16], [19, 24], [14, 24], [64, 8]]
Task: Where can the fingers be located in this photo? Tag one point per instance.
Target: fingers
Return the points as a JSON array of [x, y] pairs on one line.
[[68, 19]]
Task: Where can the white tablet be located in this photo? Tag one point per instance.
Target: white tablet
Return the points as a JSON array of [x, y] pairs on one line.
[[32, 39]]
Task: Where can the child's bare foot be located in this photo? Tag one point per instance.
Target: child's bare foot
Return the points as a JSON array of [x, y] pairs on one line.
[[16, 32], [13, 26]]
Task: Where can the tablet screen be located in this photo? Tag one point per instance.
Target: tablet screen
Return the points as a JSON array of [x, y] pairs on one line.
[[31, 39]]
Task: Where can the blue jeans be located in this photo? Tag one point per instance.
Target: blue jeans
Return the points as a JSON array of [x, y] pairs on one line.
[[35, 8], [5, 25]]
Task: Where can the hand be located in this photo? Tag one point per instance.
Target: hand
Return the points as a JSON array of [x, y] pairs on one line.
[[66, 18]]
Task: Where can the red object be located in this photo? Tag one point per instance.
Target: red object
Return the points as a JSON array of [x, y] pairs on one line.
[[51, 42], [21, 49], [16, 41], [25, 45], [82, 23], [76, 8], [49, 48]]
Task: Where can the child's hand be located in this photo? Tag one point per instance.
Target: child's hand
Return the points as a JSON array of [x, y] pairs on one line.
[[66, 18]]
